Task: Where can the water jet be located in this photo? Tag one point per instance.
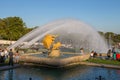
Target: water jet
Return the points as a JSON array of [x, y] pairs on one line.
[[73, 34]]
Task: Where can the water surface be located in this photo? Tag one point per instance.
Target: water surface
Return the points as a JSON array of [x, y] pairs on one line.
[[74, 73]]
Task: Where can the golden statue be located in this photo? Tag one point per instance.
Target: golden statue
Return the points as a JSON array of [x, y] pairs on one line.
[[56, 46], [53, 48]]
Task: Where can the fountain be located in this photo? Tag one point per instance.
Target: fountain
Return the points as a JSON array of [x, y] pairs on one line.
[[73, 34]]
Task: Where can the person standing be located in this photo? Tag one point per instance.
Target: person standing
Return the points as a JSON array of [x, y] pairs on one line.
[[114, 53], [0, 55], [81, 51], [16, 57], [109, 53], [6, 53], [92, 54], [11, 57]]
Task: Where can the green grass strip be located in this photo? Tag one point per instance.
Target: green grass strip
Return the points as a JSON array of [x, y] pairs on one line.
[[101, 61]]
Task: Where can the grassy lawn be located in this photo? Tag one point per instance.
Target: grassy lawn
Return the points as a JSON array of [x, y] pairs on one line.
[[101, 61]]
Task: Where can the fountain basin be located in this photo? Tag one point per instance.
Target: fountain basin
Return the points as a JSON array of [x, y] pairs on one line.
[[54, 62]]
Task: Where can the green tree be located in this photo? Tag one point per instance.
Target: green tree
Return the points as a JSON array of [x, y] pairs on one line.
[[101, 33], [109, 35], [12, 28], [116, 38]]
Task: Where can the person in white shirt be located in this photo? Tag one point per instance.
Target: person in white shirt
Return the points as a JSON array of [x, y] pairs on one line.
[[92, 54], [6, 53], [81, 51], [2, 56]]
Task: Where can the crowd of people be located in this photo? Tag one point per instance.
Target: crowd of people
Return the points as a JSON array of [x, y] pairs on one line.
[[110, 54], [8, 56]]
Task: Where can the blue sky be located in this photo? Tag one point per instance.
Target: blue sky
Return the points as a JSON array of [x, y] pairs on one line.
[[104, 15]]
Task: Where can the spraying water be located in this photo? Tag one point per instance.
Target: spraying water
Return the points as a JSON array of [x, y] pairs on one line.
[[72, 34]]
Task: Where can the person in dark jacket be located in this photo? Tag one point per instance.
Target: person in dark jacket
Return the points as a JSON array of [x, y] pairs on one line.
[[11, 57], [109, 53]]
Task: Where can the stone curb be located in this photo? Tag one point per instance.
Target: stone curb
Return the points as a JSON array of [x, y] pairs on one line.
[[100, 65], [9, 67]]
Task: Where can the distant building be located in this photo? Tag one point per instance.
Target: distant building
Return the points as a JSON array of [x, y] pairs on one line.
[[6, 42]]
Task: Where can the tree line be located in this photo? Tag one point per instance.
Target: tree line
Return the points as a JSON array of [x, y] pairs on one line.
[[12, 28], [111, 37]]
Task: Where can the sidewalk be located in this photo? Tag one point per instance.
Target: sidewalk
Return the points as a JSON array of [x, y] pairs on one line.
[[6, 67]]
